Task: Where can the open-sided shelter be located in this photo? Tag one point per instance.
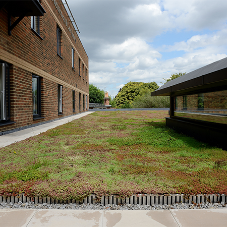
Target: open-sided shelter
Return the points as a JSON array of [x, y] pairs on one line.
[[198, 103]]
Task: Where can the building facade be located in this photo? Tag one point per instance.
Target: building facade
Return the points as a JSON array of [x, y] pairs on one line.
[[198, 103], [44, 72]]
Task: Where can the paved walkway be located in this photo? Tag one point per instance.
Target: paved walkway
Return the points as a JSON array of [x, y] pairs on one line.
[[13, 137], [114, 218]]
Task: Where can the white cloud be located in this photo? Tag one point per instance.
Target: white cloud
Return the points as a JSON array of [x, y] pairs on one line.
[[116, 35], [197, 14]]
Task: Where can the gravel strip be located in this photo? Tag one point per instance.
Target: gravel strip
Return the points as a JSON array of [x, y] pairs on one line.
[[73, 206]]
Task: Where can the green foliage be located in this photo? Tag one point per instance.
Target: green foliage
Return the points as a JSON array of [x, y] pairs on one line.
[[131, 90], [174, 76], [112, 102], [145, 100], [95, 94]]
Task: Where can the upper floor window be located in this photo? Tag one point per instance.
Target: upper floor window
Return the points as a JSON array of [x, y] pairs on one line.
[[36, 96], [35, 23], [79, 67], [73, 58], [59, 41], [4, 92]]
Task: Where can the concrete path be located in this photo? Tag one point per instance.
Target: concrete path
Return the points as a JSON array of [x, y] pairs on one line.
[[114, 218], [10, 138]]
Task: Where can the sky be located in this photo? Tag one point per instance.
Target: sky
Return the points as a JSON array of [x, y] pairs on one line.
[[148, 40]]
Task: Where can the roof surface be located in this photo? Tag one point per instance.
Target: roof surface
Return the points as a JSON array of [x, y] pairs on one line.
[[195, 78]]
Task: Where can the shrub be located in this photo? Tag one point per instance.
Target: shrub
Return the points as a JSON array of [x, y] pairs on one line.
[[148, 101]]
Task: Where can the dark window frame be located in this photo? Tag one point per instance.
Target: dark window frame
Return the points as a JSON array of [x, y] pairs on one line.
[[7, 92], [200, 101], [79, 101], [39, 101], [184, 102], [60, 99], [73, 58], [59, 41], [35, 24], [73, 98], [79, 67], [83, 102]]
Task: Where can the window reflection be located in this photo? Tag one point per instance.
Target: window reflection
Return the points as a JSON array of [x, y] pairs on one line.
[[211, 106]]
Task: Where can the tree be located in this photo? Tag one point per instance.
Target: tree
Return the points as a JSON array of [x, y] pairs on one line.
[[95, 94], [174, 76], [127, 94]]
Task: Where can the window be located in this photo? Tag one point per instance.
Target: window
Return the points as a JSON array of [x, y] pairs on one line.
[[79, 101], [79, 67], [184, 102], [4, 92], [73, 97], [60, 99], [200, 101], [36, 96], [35, 23], [207, 106], [59, 41], [83, 71], [83, 102], [86, 102], [73, 58]]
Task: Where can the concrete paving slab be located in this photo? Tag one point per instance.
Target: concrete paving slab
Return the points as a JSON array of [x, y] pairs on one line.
[[15, 218], [67, 218], [137, 218], [200, 218], [10, 138]]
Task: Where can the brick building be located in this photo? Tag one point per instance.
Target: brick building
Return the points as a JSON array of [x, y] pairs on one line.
[[44, 71]]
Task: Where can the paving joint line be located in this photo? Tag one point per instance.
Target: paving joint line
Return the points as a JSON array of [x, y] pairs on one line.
[[32, 217], [179, 225]]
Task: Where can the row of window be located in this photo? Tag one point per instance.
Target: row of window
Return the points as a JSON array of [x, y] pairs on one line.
[[36, 95], [200, 102], [35, 25], [36, 98]]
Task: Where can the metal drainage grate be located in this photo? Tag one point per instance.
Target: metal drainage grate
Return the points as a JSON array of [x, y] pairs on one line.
[[141, 199]]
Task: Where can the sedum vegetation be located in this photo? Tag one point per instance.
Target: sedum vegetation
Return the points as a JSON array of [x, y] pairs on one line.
[[120, 152]]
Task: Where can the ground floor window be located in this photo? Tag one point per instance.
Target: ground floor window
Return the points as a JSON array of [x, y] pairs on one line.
[[4, 92], [73, 97], [60, 99], [79, 101], [83, 102], [36, 96], [209, 106], [86, 102]]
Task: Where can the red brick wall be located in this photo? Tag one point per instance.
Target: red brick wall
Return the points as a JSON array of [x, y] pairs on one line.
[[42, 53]]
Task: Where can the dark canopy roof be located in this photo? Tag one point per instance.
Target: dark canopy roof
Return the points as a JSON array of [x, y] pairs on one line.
[[23, 7], [208, 76]]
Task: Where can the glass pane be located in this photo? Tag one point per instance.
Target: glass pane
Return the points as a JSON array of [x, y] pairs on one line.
[[211, 106], [32, 22], [60, 99], [72, 58], [1, 91], [35, 95]]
